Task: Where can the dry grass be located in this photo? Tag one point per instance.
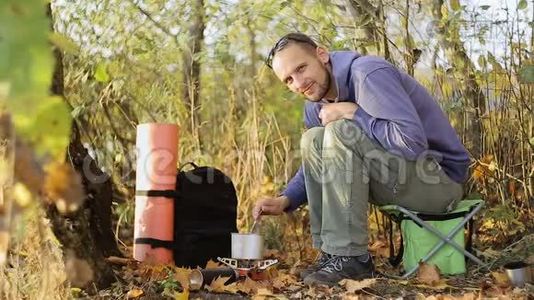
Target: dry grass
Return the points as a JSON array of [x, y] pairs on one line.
[[35, 268]]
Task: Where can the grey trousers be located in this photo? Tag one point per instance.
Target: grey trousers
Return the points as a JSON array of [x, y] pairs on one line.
[[344, 170]]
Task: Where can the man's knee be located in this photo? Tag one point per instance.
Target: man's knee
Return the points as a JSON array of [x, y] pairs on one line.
[[344, 131], [312, 139]]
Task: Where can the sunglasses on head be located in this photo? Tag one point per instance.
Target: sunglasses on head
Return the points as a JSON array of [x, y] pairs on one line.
[[283, 41]]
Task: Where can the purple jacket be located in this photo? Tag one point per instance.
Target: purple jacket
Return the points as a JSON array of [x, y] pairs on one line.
[[394, 110]]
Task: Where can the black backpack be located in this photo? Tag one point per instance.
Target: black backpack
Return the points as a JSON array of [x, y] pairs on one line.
[[205, 214]]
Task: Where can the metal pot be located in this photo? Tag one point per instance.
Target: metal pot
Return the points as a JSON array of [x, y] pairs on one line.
[[247, 246], [519, 273]]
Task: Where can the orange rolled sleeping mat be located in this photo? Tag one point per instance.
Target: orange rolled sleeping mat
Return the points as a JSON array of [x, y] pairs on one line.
[[157, 155]]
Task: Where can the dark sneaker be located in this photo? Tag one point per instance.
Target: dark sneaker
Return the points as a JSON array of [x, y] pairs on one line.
[[342, 267], [317, 265]]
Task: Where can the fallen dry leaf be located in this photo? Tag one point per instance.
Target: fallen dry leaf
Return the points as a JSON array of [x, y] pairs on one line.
[[231, 288], [264, 293], [283, 280], [380, 248], [181, 296], [420, 296], [469, 296], [437, 285], [151, 271], [134, 293], [213, 264], [249, 286], [441, 297], [217, 285], [501, 279], [428, 274], [182, 276], [352, 286]]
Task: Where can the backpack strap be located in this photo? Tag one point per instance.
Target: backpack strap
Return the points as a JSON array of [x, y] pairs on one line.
[[187, 164], [155, 243], [171, 194]]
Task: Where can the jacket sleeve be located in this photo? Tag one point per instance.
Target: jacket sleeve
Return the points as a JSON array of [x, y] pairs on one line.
[[296, 189], [387, 114]]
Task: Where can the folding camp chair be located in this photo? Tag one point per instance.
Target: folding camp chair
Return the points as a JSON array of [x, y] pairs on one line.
[[430, 229]]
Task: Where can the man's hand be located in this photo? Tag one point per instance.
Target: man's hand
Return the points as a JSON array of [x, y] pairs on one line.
[[331, 112], [270, 206]]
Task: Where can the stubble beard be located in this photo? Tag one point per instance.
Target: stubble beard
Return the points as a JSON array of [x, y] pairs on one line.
[[323, 88]]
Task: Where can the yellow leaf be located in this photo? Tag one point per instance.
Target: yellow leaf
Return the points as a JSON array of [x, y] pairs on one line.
[[134, 293], [213, 264], [264, 292], [353, 286], [217, 285], [455, 5], [182, 276], [501, 279], [181, 296], [22, 195], [248, 286]]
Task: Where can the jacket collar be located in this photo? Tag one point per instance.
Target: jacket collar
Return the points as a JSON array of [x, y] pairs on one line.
[[341, 62]]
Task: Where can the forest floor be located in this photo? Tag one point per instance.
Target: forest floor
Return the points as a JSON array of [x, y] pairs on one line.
[[143, 281]]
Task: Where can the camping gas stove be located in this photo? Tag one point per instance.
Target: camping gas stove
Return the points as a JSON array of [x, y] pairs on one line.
[[247, 261], [252, 268]]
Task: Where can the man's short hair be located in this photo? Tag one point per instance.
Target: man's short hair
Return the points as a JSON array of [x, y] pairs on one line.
[[294, 37]]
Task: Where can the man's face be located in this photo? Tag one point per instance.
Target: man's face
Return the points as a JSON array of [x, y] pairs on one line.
[[303, 70]]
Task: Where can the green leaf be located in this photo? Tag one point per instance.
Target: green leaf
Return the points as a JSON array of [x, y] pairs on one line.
[[101, 75], [26, 69], [48, 129], [455, 5], [63, 43], [526, 74], [522, 4], [485, 7]]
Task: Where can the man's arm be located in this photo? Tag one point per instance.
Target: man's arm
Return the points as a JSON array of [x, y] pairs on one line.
[[296, 189], [387, 114]]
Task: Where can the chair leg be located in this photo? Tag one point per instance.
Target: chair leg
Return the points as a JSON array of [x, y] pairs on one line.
[[443, 239], [446, 239]]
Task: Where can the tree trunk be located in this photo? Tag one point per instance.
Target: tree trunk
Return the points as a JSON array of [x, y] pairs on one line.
[[7, 158], [191, 61], [463, 66], [87, 233]]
